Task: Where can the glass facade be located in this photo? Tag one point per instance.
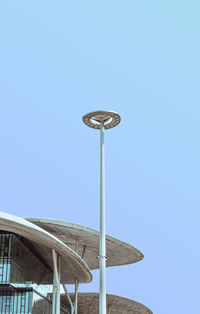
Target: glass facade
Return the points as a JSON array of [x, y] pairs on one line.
[[21, 272], [16, 302], [5, 258]]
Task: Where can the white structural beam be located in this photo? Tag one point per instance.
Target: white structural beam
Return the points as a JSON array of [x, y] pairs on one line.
[[69, 299], [56, 283], [74, 307], [54, 293], [76, 297]]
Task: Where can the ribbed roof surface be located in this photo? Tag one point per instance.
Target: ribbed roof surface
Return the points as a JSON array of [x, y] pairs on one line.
[[118, 252], [88, 303]]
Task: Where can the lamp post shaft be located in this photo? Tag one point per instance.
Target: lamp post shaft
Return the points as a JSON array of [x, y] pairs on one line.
[[102, 247], [101, 120]]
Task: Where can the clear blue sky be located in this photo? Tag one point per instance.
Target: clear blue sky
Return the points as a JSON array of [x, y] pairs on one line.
[[62, 59]]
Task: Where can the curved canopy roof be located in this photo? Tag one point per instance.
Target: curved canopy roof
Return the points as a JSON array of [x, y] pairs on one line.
[[41, 244], [88, 303], [118, 252]]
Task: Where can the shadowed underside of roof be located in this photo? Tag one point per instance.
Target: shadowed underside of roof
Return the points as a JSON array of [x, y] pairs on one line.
[[42, 242], [87, 239]]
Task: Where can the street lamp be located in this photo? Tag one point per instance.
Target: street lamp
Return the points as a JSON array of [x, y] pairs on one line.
[[102, 120]]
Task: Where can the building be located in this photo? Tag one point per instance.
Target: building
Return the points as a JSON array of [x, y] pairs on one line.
[[39, 257]]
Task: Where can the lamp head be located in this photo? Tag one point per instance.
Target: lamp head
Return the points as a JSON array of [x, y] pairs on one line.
[[109, 119]]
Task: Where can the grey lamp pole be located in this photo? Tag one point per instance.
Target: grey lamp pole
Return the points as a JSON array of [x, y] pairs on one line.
[[102, 120]]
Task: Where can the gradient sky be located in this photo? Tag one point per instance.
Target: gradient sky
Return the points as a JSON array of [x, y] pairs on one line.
[[62, 59]]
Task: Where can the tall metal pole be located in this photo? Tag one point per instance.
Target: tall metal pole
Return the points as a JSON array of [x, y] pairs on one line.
[[101, 120], [102, 248]]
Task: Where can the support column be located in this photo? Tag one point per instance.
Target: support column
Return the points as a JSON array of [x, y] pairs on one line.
[[54, 294], [76, 297], [56, 285], [69, 299]]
